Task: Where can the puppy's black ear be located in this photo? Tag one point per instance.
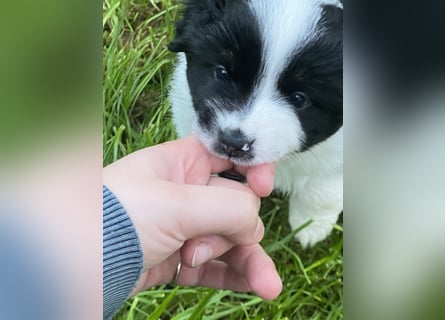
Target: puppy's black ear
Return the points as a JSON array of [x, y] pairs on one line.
[[196, 15], [178, 45]]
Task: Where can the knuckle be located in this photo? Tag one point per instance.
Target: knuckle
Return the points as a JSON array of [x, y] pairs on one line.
[[253, 222], [252, 207], [259, 232]]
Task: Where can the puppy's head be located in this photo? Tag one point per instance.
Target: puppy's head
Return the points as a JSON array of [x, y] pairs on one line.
[[265, 76]]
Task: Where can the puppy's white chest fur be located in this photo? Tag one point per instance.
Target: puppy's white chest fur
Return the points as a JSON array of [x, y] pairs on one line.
[[314, 181]]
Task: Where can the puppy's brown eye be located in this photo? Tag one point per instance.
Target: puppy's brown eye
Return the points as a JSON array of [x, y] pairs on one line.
[[299, 100], [221, 73]]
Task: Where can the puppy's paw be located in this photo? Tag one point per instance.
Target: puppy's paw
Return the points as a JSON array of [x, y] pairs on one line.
[[324, 215], [315, 232]]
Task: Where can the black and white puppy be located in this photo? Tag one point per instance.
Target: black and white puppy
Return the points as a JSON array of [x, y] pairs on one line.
[[260, 81]]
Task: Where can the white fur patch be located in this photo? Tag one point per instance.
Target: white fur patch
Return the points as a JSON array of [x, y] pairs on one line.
[[265, 120], [181, 99]]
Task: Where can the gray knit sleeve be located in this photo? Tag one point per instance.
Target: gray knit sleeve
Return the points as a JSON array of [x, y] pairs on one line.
[[122, 255]]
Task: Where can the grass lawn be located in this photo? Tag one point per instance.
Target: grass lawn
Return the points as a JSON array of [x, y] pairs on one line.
[[136, 114]]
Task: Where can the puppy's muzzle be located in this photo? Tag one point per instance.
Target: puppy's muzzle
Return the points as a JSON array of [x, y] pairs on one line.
[[234, 144]]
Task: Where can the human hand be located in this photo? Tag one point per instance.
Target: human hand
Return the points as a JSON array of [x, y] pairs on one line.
[[182, 213]]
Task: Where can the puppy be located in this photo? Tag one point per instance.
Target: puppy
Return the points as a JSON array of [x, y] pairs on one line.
[[260, 81]]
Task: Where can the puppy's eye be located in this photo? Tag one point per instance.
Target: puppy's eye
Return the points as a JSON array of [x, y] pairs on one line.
[[299, 100], [221, 73]]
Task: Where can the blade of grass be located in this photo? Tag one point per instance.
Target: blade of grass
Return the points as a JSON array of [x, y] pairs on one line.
[[158, 312], [200, 308]]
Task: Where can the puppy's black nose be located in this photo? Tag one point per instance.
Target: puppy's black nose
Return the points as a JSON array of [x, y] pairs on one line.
[[235, 143]]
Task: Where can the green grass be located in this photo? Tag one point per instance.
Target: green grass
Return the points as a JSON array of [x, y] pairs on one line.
[[137, 67]]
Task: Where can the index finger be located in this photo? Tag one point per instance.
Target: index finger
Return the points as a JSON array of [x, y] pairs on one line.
[[189, 157]]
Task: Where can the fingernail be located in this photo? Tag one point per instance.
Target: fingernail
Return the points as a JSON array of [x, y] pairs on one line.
[[203, 252], [260, 229]]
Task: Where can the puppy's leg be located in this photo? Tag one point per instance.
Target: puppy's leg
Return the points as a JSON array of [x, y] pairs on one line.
[[320, 199]]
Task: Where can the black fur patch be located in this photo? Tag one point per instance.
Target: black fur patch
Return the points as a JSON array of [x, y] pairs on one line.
[[317, 71], [214, 34]]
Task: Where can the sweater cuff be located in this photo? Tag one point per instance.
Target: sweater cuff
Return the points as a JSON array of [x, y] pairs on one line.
[[122, 255]]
